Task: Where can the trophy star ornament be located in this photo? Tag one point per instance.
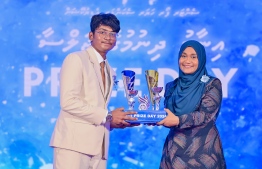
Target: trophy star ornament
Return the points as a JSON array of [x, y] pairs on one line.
[[144, 102]]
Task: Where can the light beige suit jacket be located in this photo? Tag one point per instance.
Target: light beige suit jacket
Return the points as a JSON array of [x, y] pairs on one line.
[[83, 105]]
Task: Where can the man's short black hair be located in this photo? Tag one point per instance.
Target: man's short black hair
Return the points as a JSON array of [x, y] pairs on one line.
[[105, 19]]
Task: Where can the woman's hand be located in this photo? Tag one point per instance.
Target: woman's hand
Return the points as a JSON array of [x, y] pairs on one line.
[[171, 120]]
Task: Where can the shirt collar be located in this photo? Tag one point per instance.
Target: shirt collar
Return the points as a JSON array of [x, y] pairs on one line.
[[98, 56]]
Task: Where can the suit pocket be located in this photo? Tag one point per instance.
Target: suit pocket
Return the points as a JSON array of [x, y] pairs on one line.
[[81, 121]]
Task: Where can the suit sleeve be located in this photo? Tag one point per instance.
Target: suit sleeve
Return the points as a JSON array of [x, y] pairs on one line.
[[71, 95], [208, 109]]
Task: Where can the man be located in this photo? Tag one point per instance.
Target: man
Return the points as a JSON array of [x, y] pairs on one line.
[[81, 134]]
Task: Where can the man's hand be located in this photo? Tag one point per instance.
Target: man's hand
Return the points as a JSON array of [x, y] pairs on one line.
[[171, 120], [119, 117]]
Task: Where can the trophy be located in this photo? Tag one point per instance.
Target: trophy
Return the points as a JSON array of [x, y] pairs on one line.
[[128, 77], [154, 90], [144, 115]]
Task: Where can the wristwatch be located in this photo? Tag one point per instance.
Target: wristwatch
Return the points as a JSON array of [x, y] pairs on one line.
[[109, 117]]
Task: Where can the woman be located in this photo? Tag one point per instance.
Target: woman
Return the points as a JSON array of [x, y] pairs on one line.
[[192, 102]]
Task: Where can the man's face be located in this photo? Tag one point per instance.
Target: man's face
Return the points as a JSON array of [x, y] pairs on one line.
[[103, 39]]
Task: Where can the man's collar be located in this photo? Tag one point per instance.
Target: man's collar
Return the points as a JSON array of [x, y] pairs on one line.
[[98, 56]]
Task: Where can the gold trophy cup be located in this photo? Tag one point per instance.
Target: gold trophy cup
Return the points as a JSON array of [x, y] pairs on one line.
[[154, 90]]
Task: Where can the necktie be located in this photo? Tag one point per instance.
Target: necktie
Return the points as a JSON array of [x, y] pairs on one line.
[[102, 69]]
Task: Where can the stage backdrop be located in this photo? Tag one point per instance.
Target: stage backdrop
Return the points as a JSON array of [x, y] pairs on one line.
[[36, 35]]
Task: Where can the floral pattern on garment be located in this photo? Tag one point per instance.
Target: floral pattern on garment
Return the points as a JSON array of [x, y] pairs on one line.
[[195, 143]]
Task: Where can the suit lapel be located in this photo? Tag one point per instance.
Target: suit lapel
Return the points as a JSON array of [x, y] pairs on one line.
[[111, 82], [96, 66]]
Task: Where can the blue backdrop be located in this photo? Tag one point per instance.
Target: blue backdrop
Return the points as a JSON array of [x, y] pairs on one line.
[[36, 35]]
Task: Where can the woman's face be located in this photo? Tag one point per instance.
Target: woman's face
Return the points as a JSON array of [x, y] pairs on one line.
[[188, 61]]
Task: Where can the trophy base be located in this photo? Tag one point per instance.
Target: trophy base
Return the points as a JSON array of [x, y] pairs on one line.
[[147, 116]]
